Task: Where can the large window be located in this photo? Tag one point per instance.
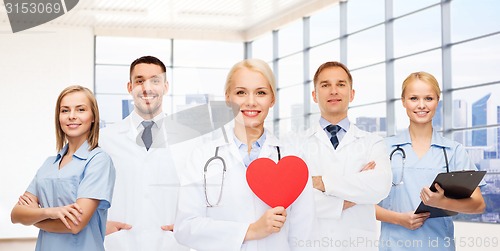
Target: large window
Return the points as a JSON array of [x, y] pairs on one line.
[[476, 62], [462, 50], [472, 18], [196, 71], [362, 14], [417, 32], [359, 54], [112, 64], [382, 49], [324, 25]]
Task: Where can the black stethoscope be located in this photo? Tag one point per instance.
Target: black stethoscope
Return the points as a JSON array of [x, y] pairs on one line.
[[403, 157], [216, 157]]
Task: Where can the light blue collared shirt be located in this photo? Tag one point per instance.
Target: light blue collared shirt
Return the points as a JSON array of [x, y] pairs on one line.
[[90, 174], [344, 124], [405, 197], [254, 153]]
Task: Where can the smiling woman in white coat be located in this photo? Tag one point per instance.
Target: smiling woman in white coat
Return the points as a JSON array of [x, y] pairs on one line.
[[219, 211]]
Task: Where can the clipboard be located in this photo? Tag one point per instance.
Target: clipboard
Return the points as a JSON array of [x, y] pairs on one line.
[[456, 185]]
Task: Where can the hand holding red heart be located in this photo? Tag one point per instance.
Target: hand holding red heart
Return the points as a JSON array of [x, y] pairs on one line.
[[270, 222]]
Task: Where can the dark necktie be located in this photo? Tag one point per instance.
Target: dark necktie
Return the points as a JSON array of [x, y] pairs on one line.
[[333, 130], [147, 137]]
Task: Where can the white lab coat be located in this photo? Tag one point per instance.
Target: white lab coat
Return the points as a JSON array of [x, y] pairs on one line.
[[224, 227], [146, 189], [354, 228]]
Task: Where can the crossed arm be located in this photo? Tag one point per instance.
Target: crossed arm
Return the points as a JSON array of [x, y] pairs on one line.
[[71, 218], [318, 183]]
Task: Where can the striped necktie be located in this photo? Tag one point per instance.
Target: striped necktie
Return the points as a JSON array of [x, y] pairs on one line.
[[333, 130]]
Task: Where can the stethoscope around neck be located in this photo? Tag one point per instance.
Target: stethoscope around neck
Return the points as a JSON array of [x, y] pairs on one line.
[[216, 157], [403, 157]]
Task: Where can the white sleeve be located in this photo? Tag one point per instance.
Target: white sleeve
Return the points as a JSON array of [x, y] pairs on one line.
[[367, 187], [327, 206]]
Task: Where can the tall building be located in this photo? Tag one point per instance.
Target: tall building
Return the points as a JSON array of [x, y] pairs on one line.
[[486, 112], [498, 133], [371, 124], [437, 121], [479, 118], [459, 120]]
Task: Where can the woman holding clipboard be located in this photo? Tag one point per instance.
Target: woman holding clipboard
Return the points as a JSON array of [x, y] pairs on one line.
[[417, 156]]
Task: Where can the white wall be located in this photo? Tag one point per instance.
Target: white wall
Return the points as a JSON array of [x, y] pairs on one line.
[[477, 236], [35, 66]]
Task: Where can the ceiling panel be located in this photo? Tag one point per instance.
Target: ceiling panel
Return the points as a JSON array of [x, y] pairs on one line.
[[186, 19]]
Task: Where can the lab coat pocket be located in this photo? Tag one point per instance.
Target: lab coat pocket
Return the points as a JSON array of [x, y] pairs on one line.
[[360, 239], [161, 192], [119, 240], [162, 203]]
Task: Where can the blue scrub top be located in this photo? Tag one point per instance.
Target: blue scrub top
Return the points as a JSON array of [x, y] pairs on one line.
[[435, 233], [90, 174]]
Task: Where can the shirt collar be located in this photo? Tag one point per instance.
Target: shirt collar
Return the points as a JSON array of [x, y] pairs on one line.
[[82, 152], [344, 123], [437, 140], [137, 120], [259, 143]]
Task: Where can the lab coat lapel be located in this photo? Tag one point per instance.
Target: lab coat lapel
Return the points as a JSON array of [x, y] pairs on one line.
[[321, 136], [231, 147], [127, 128], [269, 147], [352, 134], [160, 140]]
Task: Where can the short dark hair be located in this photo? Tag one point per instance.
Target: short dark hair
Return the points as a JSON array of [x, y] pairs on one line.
[[147, 60], [329, 65]]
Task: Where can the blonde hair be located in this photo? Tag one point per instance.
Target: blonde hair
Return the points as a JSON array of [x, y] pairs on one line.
[[93, 137], [256, 65], [422, 76]]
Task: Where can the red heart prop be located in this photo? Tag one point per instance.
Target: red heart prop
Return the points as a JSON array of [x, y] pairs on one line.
[[278, 184]]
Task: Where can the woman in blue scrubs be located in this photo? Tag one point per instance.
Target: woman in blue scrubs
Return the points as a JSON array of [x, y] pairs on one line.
[[423, 147], [69, 197]]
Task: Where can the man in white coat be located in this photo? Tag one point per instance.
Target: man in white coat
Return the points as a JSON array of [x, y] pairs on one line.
[[147, 183], [350, 168]]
